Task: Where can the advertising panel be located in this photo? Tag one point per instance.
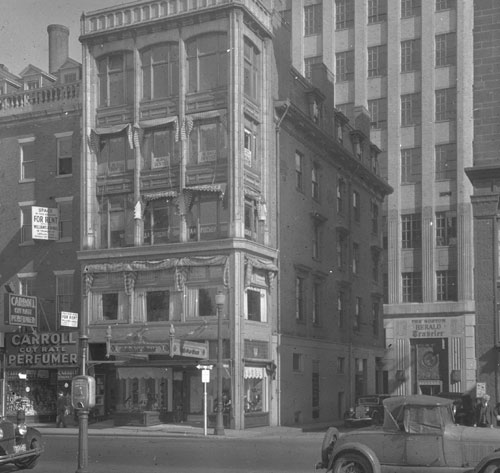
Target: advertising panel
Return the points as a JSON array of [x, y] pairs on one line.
[[22, 310], [45, 223]]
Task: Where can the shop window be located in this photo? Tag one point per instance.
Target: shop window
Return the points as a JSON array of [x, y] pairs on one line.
[[116, 79], [115, 155], [207, 218], [160, 71], [207, 59], [117, 222], [160, 149], [207, 143], [256, 305], [64, 155], [158, 306], [161, 223], [201, 302], [255, 386]]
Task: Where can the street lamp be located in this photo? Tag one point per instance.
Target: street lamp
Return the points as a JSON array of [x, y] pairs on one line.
[[220, 300]]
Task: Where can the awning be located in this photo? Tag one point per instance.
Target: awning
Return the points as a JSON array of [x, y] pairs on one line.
[[253, 372], [145, 372], [157, 122], [111, 130], [217, 188], [160, 195]]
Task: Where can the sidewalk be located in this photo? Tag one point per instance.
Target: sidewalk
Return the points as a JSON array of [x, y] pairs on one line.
[[107, 428]]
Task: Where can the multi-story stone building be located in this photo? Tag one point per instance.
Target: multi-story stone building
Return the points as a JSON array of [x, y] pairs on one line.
[[409, 64], [40, 137], [219, 185]]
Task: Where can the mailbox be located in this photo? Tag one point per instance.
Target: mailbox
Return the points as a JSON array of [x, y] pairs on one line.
[[83, 392]]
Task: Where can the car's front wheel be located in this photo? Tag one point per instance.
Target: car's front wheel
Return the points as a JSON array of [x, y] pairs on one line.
[[351, 463], [34, 440], [492, 468]]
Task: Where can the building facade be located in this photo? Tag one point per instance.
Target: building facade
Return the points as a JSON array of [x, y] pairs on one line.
[[40, 138], [409, 64], [212, 172]]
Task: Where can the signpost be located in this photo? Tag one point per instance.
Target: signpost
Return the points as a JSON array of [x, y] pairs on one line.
[[205, 378]]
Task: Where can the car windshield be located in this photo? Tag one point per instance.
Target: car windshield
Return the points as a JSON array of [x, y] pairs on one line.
[[417, 419]]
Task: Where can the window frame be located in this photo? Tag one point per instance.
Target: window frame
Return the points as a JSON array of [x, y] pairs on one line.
[[115, 84], [377, 61], [299, 171], [27, 161], [262, 294], [411, 109], [344, 14], [26, 222], [411, 286], [377, 108], [65, 210], [446, 104], [151, 71], [300, 298], [313, 19], [377, 11], [64, 282], [411, 231], [446, 228], [411, 165], [446, 285], [64, 159], [445, 155], [410, 55]]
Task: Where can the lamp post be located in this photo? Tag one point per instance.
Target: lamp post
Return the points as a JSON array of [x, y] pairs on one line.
[[220, 300]]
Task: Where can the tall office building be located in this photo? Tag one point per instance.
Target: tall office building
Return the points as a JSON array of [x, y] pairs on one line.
[[408, 63]]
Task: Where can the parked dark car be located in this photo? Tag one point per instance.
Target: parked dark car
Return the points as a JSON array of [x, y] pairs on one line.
[[463, 407], [419, 435], [368, 410], [19, 444]]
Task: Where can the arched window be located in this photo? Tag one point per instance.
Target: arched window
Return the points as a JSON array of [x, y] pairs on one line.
[[160, 71], [116, 79], [207, 62]]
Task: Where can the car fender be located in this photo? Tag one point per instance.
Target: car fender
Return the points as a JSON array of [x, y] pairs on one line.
[[356, 447], [495, 456]]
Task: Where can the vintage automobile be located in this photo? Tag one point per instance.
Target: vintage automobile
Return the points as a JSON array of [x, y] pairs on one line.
[[19, 445], [369, 410], [418, 435], [463, 407]]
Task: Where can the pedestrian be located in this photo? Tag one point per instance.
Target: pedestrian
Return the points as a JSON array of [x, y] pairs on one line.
[[485, 415], [62, 409]]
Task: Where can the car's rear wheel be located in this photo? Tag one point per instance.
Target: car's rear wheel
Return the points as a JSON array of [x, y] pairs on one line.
[[33, 440], [492, 468], [351, 463]]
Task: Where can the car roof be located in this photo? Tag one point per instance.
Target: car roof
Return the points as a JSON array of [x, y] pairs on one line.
[[415, 400]]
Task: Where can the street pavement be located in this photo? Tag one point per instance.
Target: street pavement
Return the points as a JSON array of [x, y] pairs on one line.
[[107, 428]]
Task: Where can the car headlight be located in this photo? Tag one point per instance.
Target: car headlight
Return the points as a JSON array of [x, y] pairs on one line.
[[1, 434], [22, 429]]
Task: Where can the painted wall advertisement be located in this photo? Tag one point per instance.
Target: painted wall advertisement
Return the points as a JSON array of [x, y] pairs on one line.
[[41, 350]]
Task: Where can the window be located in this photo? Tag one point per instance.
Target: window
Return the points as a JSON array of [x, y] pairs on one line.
[[411, 231], [33, 84], [27, 155], [256, 305], [340, 365], [341, 189], [316, 303], [27, 284], [160, 149], [315, 182], [375, 265], [410, 55], [315, 389], [207, 142], [201, 302], [341, 309], [251, 70], [160, 71], [251, 219], [356, 205], [313, 19], [377, 11], [299, 171], [296, 362], [65, 207], [299, 298], [110, 306], [117, 221], [64, 154], [446, 229], [375, 317], [374, 217], [344, 14], [207, 60], [410, 8], [248, 146], [26, 223], [446, 161], [70, 77], [412, 287], [446, 104], [208, 218], [446, 49], [309, 62], [445, 4], [158, 306], [355, 258], [341, 250], [286, 12], [446, 282], [344, 65], [115, 155], [357, 313], [161, 223], [378, 113], [316, 238], [410, 109], [64, 292], [377, 61], [411, 165], [116, 79]]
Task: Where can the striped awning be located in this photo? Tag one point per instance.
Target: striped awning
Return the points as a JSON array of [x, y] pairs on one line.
[[160, 195], [111, 130], [157, 121]]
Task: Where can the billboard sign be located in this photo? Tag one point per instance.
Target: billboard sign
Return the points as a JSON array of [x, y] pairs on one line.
[[45, 223], [22, 310]]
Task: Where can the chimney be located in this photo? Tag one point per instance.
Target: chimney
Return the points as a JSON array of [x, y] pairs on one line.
[[58, 46]]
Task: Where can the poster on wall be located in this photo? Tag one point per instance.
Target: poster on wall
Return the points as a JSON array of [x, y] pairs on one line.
[[45, 223]]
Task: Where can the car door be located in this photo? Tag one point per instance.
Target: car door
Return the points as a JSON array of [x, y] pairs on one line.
[[423, 436]]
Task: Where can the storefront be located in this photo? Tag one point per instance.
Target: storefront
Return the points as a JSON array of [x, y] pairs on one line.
[[37, 367]]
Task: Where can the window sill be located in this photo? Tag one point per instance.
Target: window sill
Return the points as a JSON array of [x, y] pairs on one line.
[[64, 176], [26, 181]]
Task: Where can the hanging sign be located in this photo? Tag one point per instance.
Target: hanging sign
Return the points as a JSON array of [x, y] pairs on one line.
[[22, 311]]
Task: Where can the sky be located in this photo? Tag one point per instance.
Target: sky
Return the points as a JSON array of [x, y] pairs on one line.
[[23, 29]]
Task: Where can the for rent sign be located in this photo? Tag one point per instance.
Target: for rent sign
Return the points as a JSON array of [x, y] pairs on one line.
[[45, 223], [22, 310]]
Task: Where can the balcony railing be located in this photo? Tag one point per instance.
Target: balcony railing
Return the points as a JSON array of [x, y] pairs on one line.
[[39, 99], [137, 13]]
